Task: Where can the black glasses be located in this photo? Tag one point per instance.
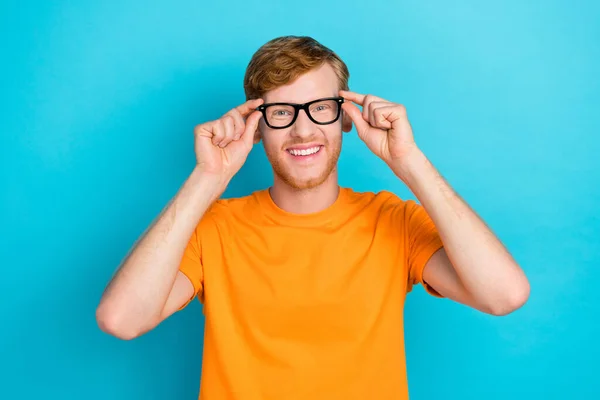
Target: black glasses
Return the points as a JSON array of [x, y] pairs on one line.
[[283, 115]]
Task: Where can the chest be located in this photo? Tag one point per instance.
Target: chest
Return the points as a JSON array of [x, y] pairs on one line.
[[302, 282]]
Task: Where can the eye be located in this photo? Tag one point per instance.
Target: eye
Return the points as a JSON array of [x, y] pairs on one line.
[[321, 107], [280, 113]]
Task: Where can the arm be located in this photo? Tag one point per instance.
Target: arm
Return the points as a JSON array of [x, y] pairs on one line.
[[148, 286], [473, 268]]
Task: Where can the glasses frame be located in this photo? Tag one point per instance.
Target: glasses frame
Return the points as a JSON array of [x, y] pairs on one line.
[[297, 107]]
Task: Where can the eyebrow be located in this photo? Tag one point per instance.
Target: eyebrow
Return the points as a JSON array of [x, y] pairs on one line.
[[291, 102]]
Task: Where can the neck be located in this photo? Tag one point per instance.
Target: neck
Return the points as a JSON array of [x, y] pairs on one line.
[[305, 201]]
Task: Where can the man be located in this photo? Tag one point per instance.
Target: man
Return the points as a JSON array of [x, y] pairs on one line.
[[303, 284]]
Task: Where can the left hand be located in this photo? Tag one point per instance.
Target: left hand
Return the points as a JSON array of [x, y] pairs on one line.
[[382, 125]]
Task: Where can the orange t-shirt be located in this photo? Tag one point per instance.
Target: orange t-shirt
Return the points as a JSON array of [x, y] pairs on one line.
[[307, 306]]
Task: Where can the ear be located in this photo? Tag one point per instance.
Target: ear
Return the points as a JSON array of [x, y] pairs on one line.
[[257, 136], [346, 122]]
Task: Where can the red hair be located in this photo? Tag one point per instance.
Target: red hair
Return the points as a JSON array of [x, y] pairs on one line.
[[282, 60]]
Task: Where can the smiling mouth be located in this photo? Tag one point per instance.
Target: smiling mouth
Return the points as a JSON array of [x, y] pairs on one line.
[[305, 152]]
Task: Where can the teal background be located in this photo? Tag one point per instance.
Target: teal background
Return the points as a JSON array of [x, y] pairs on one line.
[[98, 101]]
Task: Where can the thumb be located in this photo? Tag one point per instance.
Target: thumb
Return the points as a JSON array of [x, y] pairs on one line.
[[356, 117], [251, 126]]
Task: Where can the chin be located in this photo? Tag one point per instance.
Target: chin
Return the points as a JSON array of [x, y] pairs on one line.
[[304, 184], [304, 171], [304, 181]]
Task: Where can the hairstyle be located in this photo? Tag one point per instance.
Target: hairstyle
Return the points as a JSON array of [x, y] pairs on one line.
[[282, 60]]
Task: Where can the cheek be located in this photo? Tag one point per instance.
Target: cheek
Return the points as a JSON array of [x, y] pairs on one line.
[[334, 136], [271, 142]]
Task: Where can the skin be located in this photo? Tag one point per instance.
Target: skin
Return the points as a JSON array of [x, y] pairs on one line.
[[473, 267], [302, 186]]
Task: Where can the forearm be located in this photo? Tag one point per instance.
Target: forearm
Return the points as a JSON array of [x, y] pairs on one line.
[[484, 266], [139, 290]]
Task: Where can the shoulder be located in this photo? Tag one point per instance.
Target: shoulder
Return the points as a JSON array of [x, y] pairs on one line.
[[380, 201], [232, 206], [225, 214], [387, 208]]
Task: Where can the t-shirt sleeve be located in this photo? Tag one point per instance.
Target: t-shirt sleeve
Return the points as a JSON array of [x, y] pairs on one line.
[[191, 266], [422, 240]]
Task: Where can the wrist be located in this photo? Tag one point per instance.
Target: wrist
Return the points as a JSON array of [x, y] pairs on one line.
[[208, 184], [410, 165]]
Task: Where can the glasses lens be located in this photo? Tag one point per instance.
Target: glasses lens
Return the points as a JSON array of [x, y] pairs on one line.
[[324, 111], [279, 116]]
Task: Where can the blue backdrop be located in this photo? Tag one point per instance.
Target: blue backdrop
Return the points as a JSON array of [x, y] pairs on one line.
[[98, 101]]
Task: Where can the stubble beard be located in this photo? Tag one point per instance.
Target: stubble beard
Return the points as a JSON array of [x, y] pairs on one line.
[[284, 174]]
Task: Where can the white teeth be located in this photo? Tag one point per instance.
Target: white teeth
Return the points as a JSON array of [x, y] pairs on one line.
[[305, 152]]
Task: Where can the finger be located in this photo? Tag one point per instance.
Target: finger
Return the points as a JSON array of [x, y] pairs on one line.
[[356, 117], [205, 129], [251, 127], [238, 122], [384, 116], [370, 102], [218, 132], [366, 112], [229, 124], [355, 97], [373, 106], [249, 106]]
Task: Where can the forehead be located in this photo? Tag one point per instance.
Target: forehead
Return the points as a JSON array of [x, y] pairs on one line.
[[316, 83]]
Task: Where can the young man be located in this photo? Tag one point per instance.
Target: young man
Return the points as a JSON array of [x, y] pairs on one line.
[[303, 284]]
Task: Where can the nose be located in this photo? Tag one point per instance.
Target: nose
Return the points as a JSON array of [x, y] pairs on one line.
[[303, 127]]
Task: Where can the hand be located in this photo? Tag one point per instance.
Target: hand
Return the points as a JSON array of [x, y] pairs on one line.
[[382, 125], [223, 145]]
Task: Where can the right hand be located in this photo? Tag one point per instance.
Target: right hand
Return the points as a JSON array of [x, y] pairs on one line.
[[223, 145]]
